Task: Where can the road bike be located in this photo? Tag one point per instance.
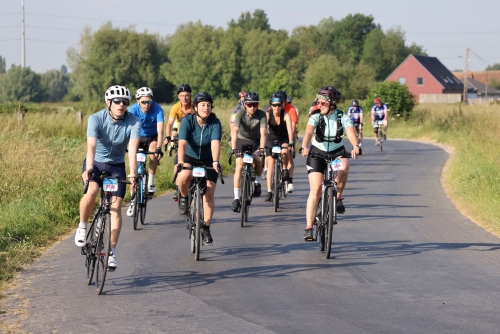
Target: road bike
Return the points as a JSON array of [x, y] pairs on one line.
[[247, 181], [141, 195], [279, 186], [379, 125], [98, 241], [194, 216], [327, 208]]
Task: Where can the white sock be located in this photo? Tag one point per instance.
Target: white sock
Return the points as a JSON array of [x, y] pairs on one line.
[[82, 225], [268, 190], [113, 251], [257, 179], [237, 193], [151, 179]]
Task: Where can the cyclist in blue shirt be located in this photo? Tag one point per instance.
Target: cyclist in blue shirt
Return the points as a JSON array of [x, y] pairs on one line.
[[199, 142], [109, 131], [355, 112], [379, 113], [152, 120]]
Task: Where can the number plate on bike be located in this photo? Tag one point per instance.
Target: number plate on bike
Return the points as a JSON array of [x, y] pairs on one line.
[[141, 157], [247, 158], [336, 164], [110, 185], [199, 172], [276, 149]]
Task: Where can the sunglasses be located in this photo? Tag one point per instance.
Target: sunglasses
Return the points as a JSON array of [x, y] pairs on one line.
[[276, 105], [146, 101], [323, 103], [118, 101], [252, 105]]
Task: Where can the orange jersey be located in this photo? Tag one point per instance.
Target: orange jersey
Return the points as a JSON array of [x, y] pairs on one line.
[[292, 112]]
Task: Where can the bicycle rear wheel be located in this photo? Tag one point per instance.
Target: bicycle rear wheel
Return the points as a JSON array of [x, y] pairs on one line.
[[276, 185], [90, 251], [137, 200], [380, 137], [198, 221], [331, 219], [144, 200], [103, 249]]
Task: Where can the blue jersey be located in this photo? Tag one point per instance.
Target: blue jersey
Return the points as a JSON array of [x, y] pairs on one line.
[[354, 114], [379, 112], [150, 119], [112, 137], [198, 138]]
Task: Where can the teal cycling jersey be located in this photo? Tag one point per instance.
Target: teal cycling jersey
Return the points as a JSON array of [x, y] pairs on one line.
[[199, 138], [330, 129], [112, 137]]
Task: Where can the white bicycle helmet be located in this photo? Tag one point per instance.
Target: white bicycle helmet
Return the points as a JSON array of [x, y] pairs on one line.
[[117, 91], [144, 91]]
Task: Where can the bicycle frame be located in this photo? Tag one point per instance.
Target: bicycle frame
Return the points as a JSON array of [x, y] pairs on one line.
[[247, 184]]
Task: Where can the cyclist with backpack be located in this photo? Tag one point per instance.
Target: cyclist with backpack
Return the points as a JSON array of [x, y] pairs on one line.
[[327, 125]]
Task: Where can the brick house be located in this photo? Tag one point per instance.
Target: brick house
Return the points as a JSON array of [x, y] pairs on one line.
[[428, 76]]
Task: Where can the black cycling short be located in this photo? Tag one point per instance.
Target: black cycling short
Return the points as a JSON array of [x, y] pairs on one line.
[[318, 164], [144, 142], [242, 144], [116, 170], [270, 139], [211, 173]]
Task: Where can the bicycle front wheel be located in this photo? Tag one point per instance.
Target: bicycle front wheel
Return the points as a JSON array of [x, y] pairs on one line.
[[244, 204], [90, 251], [103, 248], [198, 221], [380, 137], [137, 200], [276, 186], [331, 219], [144, 201]]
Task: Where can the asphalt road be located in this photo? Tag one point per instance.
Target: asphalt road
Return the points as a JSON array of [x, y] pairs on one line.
[[404, 260]]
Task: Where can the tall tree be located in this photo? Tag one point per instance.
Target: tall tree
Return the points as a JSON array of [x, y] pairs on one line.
[[20, 84], [54, 84], [247, 21], [3, 65], [494, 67]]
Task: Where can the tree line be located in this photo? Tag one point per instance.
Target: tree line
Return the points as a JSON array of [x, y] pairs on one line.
[[352, 53]]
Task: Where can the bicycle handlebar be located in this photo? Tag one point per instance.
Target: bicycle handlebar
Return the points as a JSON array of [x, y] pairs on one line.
[[102, 176], [180, 167], [329, 157]]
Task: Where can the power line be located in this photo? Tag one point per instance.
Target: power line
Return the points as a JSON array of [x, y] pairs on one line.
[[103, 20], [483, 60], [42, 40], [50, 28], [9, 27]]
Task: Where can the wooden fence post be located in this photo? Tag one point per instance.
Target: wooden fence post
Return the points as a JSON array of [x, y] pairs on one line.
[[79, 117], [20, 118]]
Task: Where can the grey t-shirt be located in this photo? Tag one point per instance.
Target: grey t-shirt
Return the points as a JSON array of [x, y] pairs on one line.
[[112, 137], [249, 127]]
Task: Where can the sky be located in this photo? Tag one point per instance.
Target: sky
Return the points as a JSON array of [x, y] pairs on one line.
[[444, 28]]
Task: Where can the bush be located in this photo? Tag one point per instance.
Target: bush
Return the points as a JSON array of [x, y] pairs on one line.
[[397, 97]]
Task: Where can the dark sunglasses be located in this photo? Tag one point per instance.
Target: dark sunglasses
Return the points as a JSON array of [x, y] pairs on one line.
[[252, 105], [276, 105], [323, 103], [118, 101], [146, 101]]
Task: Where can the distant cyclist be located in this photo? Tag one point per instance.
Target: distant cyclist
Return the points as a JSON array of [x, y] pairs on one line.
[[152, 118], [240, 105], [379, 113], [290, 109], [328, 125], [109, 131], [199, 142], [279, 125], [355, 112], [296, 132], [178, 111], [249, 130]]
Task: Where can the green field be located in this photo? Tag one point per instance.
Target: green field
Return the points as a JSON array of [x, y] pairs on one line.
[[41, 162]]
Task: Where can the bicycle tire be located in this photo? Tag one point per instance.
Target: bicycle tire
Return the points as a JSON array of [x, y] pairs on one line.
[[244, 198], [136, 211], [144, 201], [191, 221], [90, 252], [198, 222], [103, 249], [380, 137], [250, 191], [332, 217], [276, 186]]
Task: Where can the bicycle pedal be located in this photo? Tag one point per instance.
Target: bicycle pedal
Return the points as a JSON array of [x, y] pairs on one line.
[[83, 251], [111, 269]]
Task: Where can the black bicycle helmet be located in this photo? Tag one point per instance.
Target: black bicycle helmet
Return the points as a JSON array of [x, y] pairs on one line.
[[183, 88], [333, 94], [203, 97], [251, 97], [355, 103], [282, 94]]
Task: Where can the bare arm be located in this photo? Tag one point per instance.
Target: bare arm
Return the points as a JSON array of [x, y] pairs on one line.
[[234, 137], [89, 161], [159, 129], [289, 127], [307, 139], [168, 130], [263, 134], [132, 155]]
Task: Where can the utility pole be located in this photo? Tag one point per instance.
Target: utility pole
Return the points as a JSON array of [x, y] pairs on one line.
[[466, 74], [23, 55]]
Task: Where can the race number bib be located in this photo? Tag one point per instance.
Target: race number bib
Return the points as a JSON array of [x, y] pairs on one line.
[[199, 172], [247, 158], [276, 149], [141, 157], [110, 185], [336, 164]]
